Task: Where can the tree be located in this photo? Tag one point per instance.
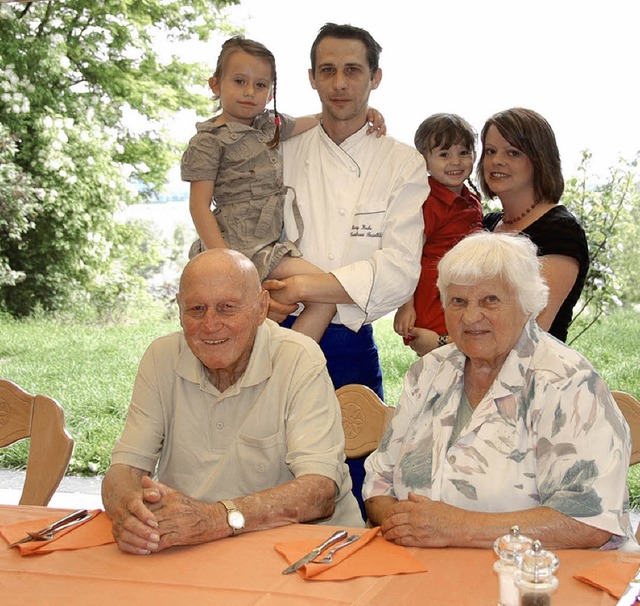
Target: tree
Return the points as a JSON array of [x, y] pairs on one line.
[[18, 199], [605, 210], [72, 72]]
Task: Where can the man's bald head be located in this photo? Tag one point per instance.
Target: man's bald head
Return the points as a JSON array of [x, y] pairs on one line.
[[221, 262], [222, 304]]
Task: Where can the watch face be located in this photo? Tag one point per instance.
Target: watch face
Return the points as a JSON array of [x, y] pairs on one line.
[[236, 520]]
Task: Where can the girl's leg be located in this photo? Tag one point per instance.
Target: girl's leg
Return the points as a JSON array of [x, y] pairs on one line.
[[315, 317]]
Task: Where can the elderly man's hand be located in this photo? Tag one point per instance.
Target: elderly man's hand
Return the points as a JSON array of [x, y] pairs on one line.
[[278, 310], [135, 528], [181, 519], [420, 522]]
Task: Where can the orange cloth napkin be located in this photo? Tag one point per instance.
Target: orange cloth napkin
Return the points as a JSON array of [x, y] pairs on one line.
[[90, 533], [612, 577], [369, 556]]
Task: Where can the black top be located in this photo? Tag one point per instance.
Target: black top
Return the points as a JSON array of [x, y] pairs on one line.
[[557, 232]]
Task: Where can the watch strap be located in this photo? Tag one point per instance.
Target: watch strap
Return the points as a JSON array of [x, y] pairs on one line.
[[230, 506]]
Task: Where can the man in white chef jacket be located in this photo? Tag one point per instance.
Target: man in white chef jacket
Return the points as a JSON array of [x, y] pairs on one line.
[[361, 199]]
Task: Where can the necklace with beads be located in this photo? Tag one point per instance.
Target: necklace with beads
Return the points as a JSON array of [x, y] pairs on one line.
[[522, 216]]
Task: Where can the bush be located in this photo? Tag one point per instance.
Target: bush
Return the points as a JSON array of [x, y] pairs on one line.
[[603, 210]]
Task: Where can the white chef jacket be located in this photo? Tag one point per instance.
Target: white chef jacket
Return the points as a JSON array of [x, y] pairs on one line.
[[361, 204]]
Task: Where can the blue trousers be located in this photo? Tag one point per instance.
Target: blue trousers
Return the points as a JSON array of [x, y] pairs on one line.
[[352, 357]]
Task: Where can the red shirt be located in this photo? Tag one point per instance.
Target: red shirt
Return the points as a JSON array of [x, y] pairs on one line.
[[447, 219]]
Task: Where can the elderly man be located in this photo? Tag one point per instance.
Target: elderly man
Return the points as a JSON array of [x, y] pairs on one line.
[[237, 416]]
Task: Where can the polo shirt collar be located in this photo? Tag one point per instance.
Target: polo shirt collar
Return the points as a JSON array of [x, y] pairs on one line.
[[259, 369]]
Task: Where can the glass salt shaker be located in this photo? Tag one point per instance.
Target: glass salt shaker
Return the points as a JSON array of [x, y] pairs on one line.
[[534, 575], [507, 547]]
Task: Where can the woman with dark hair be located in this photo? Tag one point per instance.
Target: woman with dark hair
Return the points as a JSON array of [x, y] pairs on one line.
[[520, 164]]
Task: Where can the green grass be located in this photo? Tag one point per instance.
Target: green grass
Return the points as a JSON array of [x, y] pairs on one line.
[[90, 370], [612, 347]]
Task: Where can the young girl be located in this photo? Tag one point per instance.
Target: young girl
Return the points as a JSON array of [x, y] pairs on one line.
[[233, 163], [451, 211]]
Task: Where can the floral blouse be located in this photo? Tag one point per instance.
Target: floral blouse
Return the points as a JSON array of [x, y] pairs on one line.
[[547, 433]]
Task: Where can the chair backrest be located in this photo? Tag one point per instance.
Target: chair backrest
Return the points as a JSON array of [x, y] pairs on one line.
[[40, 418], [630, 408], [364, 419]]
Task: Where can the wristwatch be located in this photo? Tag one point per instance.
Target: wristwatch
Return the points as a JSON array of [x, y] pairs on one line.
[[235, 519]]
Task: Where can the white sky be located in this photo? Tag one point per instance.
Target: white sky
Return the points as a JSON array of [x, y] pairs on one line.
[[574, 61]]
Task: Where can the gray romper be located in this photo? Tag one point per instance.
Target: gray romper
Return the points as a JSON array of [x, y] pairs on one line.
[[248, 198]]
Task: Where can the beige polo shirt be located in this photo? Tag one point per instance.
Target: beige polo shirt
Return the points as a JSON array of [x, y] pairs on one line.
[[281, 420]]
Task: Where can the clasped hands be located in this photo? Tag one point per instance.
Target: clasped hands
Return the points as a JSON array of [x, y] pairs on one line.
[[421, 522], [159, 517]]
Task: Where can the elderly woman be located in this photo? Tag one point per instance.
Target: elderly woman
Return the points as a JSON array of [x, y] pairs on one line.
[[505, 426]]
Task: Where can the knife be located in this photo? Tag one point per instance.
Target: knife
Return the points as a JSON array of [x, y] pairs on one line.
[[631, 593], [316, 551], [41, 535]]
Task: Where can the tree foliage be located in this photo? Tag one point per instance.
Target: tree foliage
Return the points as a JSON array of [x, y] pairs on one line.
[[72, 73], [18, 200], [606, 211]]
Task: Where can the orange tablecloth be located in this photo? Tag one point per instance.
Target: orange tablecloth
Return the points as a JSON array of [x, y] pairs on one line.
[[246, 570]]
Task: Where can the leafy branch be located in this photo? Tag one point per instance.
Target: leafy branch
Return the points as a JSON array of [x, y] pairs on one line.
[[601, 208]]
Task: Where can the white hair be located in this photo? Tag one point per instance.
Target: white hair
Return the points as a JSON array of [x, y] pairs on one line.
[[510, 257]]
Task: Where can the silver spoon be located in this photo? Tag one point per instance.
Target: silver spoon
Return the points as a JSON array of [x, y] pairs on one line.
[[328, 559]]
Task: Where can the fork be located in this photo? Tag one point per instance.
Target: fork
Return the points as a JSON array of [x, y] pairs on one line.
[[46, 534], [328, 559]]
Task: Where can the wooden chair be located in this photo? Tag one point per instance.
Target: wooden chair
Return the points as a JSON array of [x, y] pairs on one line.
[[630, 408], [364, 419], [40, 418]]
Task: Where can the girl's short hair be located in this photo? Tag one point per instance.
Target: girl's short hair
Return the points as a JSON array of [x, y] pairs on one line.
[[510, 257], [529, 132], [444, 130]]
